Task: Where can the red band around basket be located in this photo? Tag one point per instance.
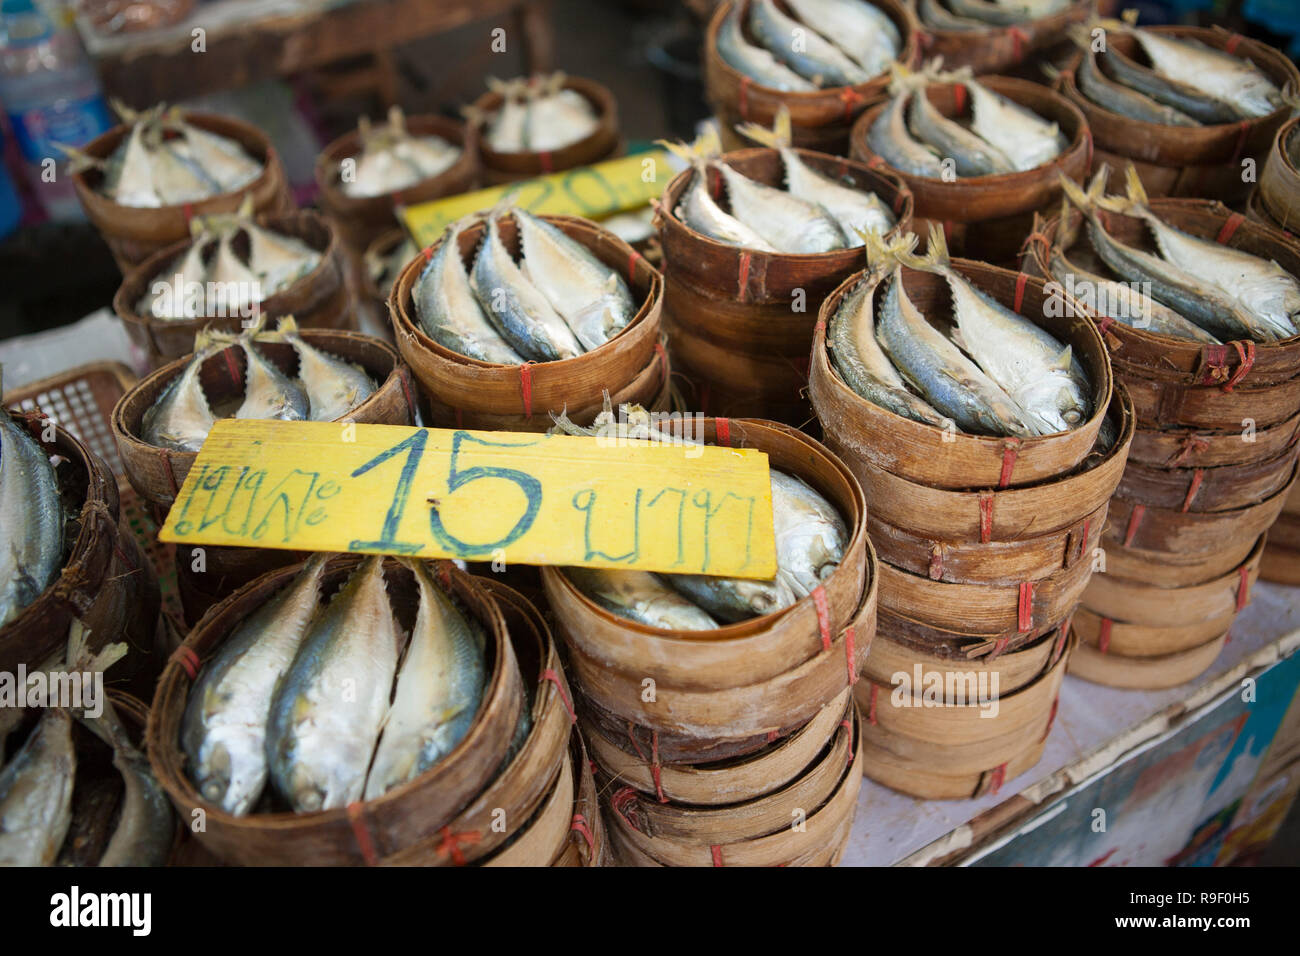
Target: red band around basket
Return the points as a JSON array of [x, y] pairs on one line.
[[631, 735], [1010, 449], [823, 616], [633, 258], [442, 571], [936, 562], [1039, 238], [451, 842], [716, 850], [1233, 41], [526, 388], [171, 473], [1103, 637], [1193, 443], [1134, 522], [850, 654], [1197, 477], [188, 211], [899, 199], [619, 803], [1020, 291], [662, 353], [1025, 606], [1229, 227], [544, 160], [361, 832], [428, 253], [1104, 324], [1246, 361], [1243, 587], [1087, 139], [998, 778], [1019, 40], [772, 736], [1051, 716], [1083, 545], [1062, 633], [722, 431], [579, 825], [986, 517], [406, 390], [850, 98], [460, 418], [848, 729], [875, 162], [999, 646], [743, 97], [742, 275], [871, 709], [554, 678], [188, 659], [655, 769], [959, 97]]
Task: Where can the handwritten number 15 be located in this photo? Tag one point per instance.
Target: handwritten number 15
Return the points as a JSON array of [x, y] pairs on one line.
[[456, 478]]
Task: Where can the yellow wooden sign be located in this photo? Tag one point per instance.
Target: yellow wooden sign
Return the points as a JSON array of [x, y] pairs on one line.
[[594, 192], [508, 496]]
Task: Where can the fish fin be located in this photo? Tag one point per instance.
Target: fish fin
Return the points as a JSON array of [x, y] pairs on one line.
[[936, 258], [1133, 183], [474, 116], [396, 119], [1074, 195], [1080, 36], [781, 133], [902, 79], [1130, 16], [959, 340], [1065, 359], [79, 161], [288, 326]]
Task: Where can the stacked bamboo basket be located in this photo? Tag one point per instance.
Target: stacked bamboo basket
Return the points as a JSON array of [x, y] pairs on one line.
[[741, 321], [1281, 561], [1212, 463], [1276, 200], [481, 805], [987, 217], [738, 746], [997, 49], [985, 546]]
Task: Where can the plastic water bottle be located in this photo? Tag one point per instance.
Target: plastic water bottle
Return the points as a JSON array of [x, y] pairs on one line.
[[51, 95]]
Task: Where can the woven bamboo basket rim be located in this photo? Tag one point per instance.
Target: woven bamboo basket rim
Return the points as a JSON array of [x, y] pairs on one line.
[[486, 387], [157, 474], [381, 247], [1138, 602], [1125, 639], [822, 827], [709, 716], [759, 816], [543, 837], [389, 822], [753, 649], [936, 457], [943, 199], [600, 142], [304, 224], [892, 653], [1280, 565], [1034, 29], [1145, 673], [1214, 489], [959, 725], [992, 562], [589, 843], [828, 855], [175, 218], [523, 782], [958, 645], [764, 101], [930, 784], [1279, 180], [1204, 448], [1148, 354], [1157, 403], [347, 146], [1175, 569], [735, 781]]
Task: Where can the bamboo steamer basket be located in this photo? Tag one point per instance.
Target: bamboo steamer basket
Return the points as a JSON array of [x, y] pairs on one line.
[[1160, 400], [319, 299], [819, 120], [1129, 639], [157, 474], [928, 784], [958, 644], [727, 782], [370, 296], [1196, 448], [372, 830], [745, 680], [1145, 673], [523, 784], [1171, 361], [1134, 601], [1150, 528], [1187, 160], [542, 839], [133, 234], [819, 843], [1281, 564], [1169, 569], [1208, 489], [602, 143], [987, 217], [1278, 193], [731, 312], [996, 49], [465, 392], [104, 581], [863, 433], [1257, 213], [360, 220], [589, 844]]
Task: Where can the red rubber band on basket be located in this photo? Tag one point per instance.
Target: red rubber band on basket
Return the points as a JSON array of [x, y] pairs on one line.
[[998, 778], [526, 388], [772, 736], [663, 356], [1103, 636], [850, 654], [544, 160], [876, 162], [1051, 717], [936, 561], [716, 851], [1233, 41], [1192, 443], [1229, 227], [1087, 139], [405, 379], [1010, 449], [442, 571], [428, 253], [823, 616], [451, 843], [722, 431], [1062, 633], [1243, 588], [1134, 521], [850, 98], [1025, 607], [1197, 477], [579, 825], [189, 661], [554, 678], [361, 832], [1019, 40], [633, 258], [986, 517], [999, 646], [171, 473], [742, 275], [743, 97], [188, 210], [871, 709], [655, 769], [1246, 356], [959, 97], [618, 803], [1021, 279], [899, 199]]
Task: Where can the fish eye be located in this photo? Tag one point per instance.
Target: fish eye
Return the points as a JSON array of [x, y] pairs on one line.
[[1073, 417]]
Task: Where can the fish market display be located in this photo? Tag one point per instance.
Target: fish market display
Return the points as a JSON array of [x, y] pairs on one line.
[[31, 520], [557, 302], [832, 43], [813, 214], [965, 15], [537, 115], [756, 62], [164, 160], [392, 158], [330, 704], [1000, 136], [384, 269], [231, 265], [1184, 83], [36, 793], [1226, 292], [326, 388], [810, 541]]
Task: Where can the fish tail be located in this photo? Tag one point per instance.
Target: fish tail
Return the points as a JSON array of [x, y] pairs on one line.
[[1133, 183], [1130, 16], [781, 133], [904, 80], [1084, 200], [474, 115], [936, 258], [1081, 36], [79, 161], [396, 119]]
